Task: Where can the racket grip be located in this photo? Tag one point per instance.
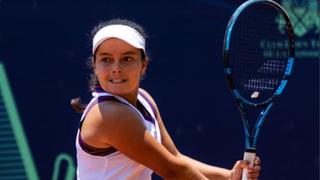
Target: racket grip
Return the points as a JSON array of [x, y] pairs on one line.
[[249, 155]]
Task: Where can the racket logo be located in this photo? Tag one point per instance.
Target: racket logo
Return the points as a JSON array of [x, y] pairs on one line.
[[304, 15], [255, 95]]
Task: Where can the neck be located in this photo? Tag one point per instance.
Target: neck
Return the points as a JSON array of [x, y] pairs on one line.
[[132, 98]]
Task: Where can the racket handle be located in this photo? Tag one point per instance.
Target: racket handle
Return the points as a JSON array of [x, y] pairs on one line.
[[249, 155]]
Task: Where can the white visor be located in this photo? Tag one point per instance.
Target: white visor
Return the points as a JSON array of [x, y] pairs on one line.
[[123, 32]]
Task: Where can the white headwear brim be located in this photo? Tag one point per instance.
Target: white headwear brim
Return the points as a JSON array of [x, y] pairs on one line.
[[123, 32]]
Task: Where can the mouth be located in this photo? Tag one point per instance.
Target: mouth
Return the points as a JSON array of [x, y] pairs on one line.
[[117, 81]]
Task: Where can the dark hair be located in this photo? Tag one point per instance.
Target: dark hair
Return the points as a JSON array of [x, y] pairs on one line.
[[76, 102]]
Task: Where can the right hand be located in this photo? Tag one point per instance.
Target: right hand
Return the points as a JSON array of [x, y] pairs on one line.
[[253, 171]]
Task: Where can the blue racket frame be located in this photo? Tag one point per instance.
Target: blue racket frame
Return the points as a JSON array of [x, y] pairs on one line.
[[251, 137]]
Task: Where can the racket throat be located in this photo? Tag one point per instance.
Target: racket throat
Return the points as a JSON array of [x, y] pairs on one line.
[[252, 128]]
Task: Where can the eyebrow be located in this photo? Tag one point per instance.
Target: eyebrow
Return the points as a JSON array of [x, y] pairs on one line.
[[109, 54]]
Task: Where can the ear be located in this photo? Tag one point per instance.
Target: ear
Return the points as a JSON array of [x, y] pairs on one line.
[[144, 67], [93, 65]]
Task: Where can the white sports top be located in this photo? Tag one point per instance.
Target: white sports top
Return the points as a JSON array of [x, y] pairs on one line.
[[110, 164]]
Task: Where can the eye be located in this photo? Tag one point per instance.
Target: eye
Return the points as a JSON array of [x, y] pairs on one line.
[[128, 58], [105, 59]]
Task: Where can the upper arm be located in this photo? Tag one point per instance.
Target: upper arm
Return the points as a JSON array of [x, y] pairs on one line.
[[122, 128], [165, 137]]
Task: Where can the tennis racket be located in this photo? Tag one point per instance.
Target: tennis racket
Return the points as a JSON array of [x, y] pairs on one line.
[[258, 60]]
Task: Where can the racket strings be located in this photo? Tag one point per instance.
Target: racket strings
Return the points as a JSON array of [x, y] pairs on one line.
[[255, 76], [272, 66], [266, 84]]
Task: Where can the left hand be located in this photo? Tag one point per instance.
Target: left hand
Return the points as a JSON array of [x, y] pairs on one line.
[[253, 171]]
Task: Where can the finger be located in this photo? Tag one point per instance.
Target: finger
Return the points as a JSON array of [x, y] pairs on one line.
[[254, 172], [245, 164], [240, 164], [255, 168], [252, 178], [236, 171], [253, 175]]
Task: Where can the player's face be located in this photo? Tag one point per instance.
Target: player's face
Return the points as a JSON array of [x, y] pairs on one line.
[[119, 67]]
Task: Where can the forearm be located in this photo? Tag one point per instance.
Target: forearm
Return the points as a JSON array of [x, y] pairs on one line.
[[188, 172], [211, 172]]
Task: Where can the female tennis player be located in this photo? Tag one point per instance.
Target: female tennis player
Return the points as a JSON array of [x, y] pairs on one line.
[[121, 134]]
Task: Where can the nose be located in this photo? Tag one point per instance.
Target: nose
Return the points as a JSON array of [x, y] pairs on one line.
[[116, 68]]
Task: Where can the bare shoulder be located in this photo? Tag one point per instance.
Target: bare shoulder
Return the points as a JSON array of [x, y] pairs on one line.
[[114, 108], [107, 120], [114, 112]]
